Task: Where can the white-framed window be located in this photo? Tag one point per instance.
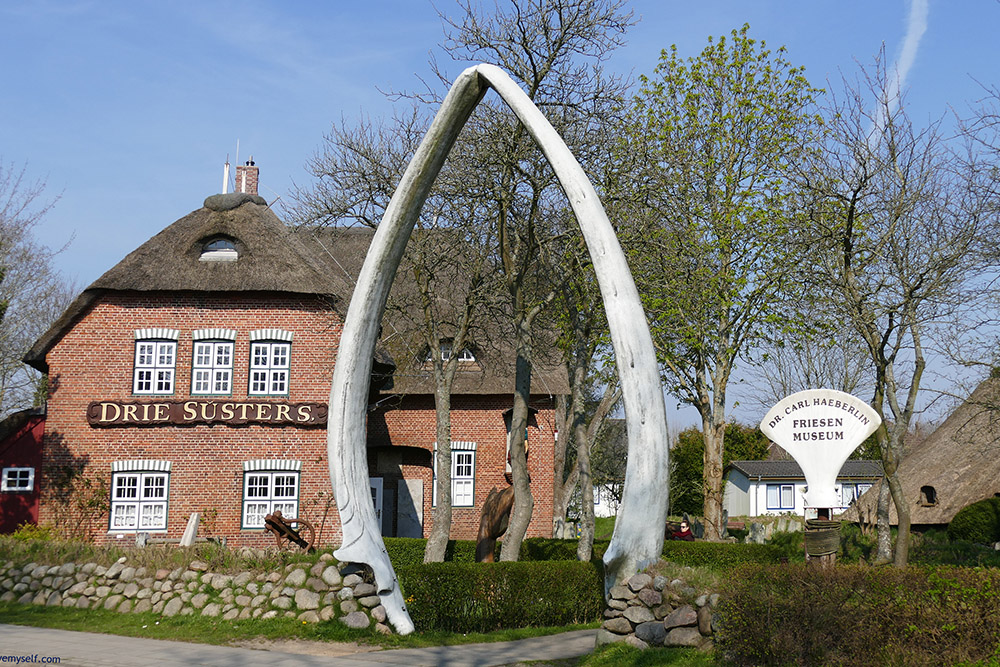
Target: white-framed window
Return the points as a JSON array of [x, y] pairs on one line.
[[212, 367], [154, 366], [139, 500], [16, 480], [465, 355], [270, 362], [265, 491], [463, 474], [781, 496]]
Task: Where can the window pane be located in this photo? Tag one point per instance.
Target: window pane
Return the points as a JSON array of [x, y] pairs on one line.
[[126, 486], [284, 486], [787, 498], [258, 486], [154, 486], [253, 514], [772, 496], [123, 516]]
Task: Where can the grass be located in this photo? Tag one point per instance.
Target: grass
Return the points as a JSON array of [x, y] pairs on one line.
[[204, 630], [620, 655]]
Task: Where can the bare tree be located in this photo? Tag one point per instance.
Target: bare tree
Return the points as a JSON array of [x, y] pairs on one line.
[[554, 49], [448, 266], [902, 236], [32, 293]]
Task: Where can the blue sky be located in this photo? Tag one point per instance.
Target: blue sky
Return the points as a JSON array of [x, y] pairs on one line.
[[128, 110]]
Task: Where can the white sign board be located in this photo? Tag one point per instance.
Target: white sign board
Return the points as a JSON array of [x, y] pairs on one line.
[[820, 428]]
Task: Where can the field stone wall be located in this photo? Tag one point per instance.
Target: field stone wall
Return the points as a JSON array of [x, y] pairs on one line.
[[321, 592], [649, 611]]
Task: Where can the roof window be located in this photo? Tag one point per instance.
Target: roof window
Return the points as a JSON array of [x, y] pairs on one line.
[[219, 250]]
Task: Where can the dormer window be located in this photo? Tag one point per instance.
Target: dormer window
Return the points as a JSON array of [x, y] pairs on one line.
[[465, 356], [219, 250], [928, 496]]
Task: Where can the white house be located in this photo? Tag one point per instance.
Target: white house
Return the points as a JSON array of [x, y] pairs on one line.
[[757, 488]]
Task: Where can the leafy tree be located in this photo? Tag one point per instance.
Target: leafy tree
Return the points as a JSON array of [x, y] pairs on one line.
[[687, 456], [709, 154]]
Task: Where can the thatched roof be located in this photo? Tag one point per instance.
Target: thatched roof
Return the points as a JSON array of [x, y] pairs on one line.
[[273, 257], [343, 250], [960, 461]]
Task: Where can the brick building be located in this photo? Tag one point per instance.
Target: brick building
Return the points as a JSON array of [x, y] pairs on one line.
[[193, 377]]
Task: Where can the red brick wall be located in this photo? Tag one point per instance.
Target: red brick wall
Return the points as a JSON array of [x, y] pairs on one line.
[[94, 361], [411, 423]]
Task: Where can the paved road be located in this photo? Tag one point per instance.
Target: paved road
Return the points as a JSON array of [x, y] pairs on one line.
[[86, 649]]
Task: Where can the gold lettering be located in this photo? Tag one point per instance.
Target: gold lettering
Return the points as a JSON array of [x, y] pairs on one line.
[[303, 412], [190, 412], [130, 411], [243, 407], [204, 411], [104, 412], [162, 412], [263, 411], [282, 413], [145, 411], [227, 411]]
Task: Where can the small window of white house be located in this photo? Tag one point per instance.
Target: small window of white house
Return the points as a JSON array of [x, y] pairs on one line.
[[219, 250], [212, 367], [270, 362], [139, 500], [18, 480], [463, 475], [780, 497], [265, 491]]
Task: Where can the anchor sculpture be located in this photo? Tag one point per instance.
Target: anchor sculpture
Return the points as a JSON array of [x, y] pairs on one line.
[[638, 535]]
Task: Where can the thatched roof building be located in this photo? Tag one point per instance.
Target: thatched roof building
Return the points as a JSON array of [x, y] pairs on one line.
[[273, 257], [955, 466]]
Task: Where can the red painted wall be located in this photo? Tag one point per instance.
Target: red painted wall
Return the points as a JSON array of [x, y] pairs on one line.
[[22, 449]]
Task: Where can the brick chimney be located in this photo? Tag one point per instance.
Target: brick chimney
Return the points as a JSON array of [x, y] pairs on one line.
[[246, 177]]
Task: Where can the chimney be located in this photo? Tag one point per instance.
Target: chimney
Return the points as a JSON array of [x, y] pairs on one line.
[[246, 177]]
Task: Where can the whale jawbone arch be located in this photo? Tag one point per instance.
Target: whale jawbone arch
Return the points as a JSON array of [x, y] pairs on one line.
[[638, 536]]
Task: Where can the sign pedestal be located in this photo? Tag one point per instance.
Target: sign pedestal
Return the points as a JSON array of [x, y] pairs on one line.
[[820, 428]]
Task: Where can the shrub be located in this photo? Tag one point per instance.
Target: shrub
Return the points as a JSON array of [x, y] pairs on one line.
[[857, 615], [978, 522], [410, 551], [30, 531], [483, 597]]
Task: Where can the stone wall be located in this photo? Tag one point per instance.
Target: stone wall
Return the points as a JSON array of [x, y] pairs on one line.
[[321, 592], [655, 611]]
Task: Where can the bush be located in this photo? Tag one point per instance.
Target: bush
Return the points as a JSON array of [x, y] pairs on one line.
[[410, 551], [978, 522], [857, 615], [483, 597], [30, 531]]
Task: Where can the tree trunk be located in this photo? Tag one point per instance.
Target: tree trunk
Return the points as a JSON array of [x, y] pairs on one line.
[[901, 555], [884, 553], [437, 541], [524, 503], [714, 435], [564, 484], [585, 547]]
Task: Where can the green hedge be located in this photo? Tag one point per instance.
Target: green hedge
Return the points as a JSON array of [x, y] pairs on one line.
[[858, 615], [410, 551], [978, 522], [483, 597]]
